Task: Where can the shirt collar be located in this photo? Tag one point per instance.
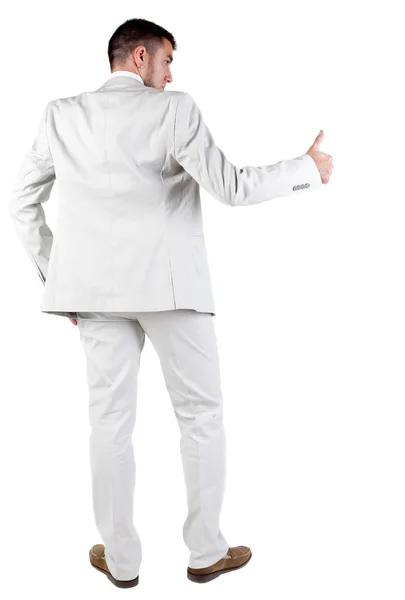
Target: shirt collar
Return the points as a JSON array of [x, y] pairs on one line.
[[128, 74]]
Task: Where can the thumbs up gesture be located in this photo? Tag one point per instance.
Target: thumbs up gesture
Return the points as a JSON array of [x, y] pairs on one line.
[[323, 161]]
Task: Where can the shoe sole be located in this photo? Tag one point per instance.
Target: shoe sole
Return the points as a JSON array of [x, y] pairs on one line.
[[121, 583], [215, 574]]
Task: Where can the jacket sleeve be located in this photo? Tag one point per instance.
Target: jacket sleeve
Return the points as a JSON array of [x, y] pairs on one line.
[[33, 187], [195, 150]]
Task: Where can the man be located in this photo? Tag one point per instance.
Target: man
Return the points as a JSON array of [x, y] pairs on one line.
[[128, 258]]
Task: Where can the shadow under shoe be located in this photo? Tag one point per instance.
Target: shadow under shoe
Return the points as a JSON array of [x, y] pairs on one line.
[[97, 560], [239, 556]]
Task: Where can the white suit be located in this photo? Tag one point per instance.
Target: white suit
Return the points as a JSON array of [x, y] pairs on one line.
[[129, 160], [128, 259]]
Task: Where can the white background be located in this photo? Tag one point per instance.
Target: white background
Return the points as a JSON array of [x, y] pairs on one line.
[[309, 310]]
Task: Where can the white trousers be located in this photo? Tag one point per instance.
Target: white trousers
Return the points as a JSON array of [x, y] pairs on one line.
[[186, 344]]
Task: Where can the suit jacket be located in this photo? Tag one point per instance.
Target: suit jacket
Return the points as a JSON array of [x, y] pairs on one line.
[[129, 160]]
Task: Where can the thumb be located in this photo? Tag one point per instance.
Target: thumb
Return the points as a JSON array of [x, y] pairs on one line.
[[318, 140]]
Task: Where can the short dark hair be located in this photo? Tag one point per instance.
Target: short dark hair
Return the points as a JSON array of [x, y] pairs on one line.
[[133, 33]]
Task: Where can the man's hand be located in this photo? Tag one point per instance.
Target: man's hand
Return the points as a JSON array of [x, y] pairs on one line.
[[74, 321], [323, 161]]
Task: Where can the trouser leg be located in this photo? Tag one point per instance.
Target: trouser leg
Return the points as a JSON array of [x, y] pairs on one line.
[[113, 350], [186, 344]]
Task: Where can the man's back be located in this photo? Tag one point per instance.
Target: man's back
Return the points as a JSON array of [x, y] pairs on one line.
[[129, 160]]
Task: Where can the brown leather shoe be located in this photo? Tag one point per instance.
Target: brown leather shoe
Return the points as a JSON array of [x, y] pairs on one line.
[[239, 556], [97, 560]]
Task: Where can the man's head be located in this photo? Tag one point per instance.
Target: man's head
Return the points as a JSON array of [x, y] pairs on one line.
[[144, 48]]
